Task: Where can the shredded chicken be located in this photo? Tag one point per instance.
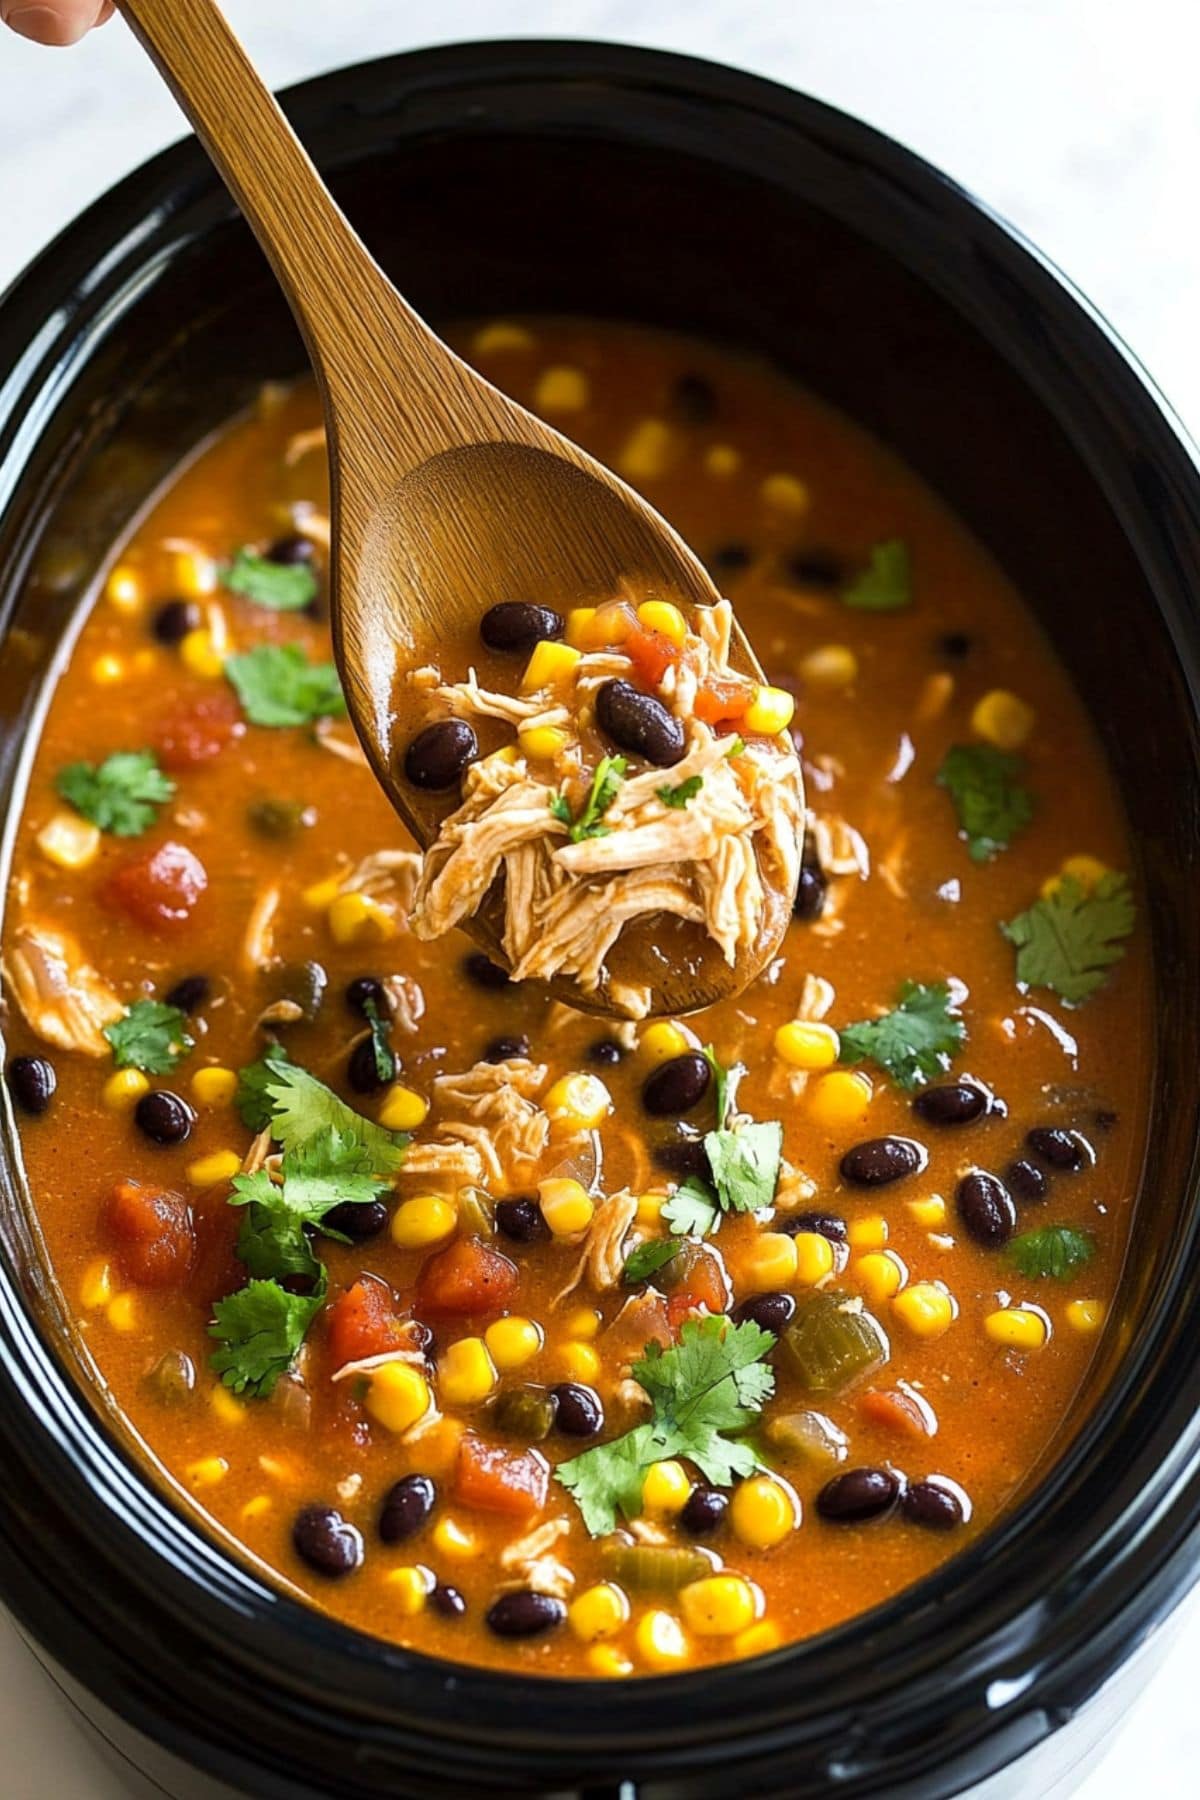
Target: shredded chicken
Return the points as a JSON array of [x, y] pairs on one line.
[[840, 849], [489, 1130], [259, 1153], [303, 443], [406, 998], [794, 1189], [62, 997], [339, 743], [528, 1562], [602, 1260], [388, 876], [258, 940]]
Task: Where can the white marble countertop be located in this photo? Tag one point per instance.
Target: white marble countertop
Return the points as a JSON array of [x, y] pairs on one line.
[[1078, 119]]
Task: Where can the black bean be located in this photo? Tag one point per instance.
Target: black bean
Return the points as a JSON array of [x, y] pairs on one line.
[[303, 984], [437, 756], [174, 620], [521, 1220], [986, 1209], [190, 994], [1024, 1179], [579, 1412], [693, 401], [362, 1068], [324, 1540], [484, 972], [676, 1085], [519, 625], [506, 1049], [771, 1312], [704, 1511], [811, 893], [639, 723], [292, 549], [955, 646], [606, 1051], [826, 1225], [683, 1156], [932, 1506], [522, 1613], [729, 559], [447, 1601], [881, 1160], [164, 1117], [31, 1082], [815, 569], [859, 1495], [364, 991], [1058, 1149], [952, 1103], [406, 1508], [358, 1220]]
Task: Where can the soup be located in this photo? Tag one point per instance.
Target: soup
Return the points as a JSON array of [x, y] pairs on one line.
[[497, 1329]]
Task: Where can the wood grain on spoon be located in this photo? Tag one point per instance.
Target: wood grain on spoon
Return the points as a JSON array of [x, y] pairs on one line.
[[445, 495]]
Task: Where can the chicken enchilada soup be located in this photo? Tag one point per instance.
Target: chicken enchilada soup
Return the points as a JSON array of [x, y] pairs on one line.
[[510, 1332]]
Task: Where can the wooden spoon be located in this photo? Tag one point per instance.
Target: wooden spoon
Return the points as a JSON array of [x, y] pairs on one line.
[[445, 495]]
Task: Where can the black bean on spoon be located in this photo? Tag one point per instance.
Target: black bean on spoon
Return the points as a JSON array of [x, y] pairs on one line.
[[326, 1542], [859, 1495], [986, 1209], [164, 1117], [881, 1160], [677, 1085], [952, 1103], [31, 1082], [406, 1507], [519, 625], [524, 1613], [639, 723], [437, 757]]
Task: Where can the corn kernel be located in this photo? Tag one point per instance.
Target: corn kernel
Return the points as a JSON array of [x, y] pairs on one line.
[[123, 590], [667, 620], [1086, 870], [659, 1640], [466, 1373], [763, 1512], [577, 1362], [650, 1210], [881, 1273], [440, 1445], [208, 1471], [214, 1086], [869, 1233], [208, 1171], [829, 666], [543, 742], [581, 626], [1003, 720], [929, 1214], [722, 460], [200, 655], [107, 669], [666, 1488], [96, 1287], [662, 1040], [758, 1640], [770, 1262], [193, 574], [402, 1109], [814, 1257], [398, 1395], [770, 711], [607, 1661], [561, 390], [409, 1588], [356, 918], [123, 1089], [578, 1102], [257, 1508], [718, 1605], [598, 1612], [228, 1409], [647, 452], [785, 493], [501, 336], [513, 1341], [1016, 1327], [121, 1312], [1085, 1316], [566, 1205], [807, 1044], [839, 1100], [926, 1308], [320, 895], [584, 1322], [68, 841], [423, 1220], [549, 664], [454, 1540]]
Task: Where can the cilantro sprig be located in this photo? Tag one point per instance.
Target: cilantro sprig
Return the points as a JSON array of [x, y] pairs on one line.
[[679, 795], [885, 585], [1070, 939], [152, 1036], [744, 1161], [913, 1043], [648, 1259], [1054, 1252], [606, 783], [121, 795], [704, 1389], [284, 587], [991, 802], [260, 1329], [329, 1169], [277, 685]]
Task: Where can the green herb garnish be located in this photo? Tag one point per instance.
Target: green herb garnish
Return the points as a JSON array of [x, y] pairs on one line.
[[277, 685], [1055, 1252], [885, 585], [122, 795], [381, 1034], [992, 805], [252, 1099], [330, 1169], [678, 797], [648, 1258], [606, 783], [914, 1042], [261, 1327], [152, 1037], [693, 1210], [1069, 941], [744, 1161], [284, 587]]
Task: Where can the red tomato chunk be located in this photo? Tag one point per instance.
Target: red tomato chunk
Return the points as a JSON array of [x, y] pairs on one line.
[[493, 1479], [154, 1229], [159, 888], [196, 733], [466, 1278], [363, 1322]]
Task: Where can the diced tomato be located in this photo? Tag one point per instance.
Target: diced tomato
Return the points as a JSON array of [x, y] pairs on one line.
[[159, 888], [641, 1321], [492, 1479], [721, 701], [699, 1282], [362, 1322], [199, 731], [896, 1409], [651, 654], [154, 1229], [466, 1277]]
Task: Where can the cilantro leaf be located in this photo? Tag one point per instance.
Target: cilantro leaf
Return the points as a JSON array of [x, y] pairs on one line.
[[252, 1100], [885, 585], [984, 784], [1070, 940], [261, 1327], [914, 1042], [710, 1384], [152, 1037], [271, 1242], [122, 795], [727, 1084], [277, 685], [381, 1045], [745, 1164], [647, 1259], [678, 797], [560, 809], [736, 746], [1056, 1251], [693, 1209], [284, 587], [606, 783], [302, 1106], [329, 1169]]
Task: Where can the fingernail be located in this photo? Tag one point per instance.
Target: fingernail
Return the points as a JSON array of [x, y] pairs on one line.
[[42, 24]]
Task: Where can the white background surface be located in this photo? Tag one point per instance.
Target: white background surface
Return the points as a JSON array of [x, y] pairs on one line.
[[1078, 119]]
